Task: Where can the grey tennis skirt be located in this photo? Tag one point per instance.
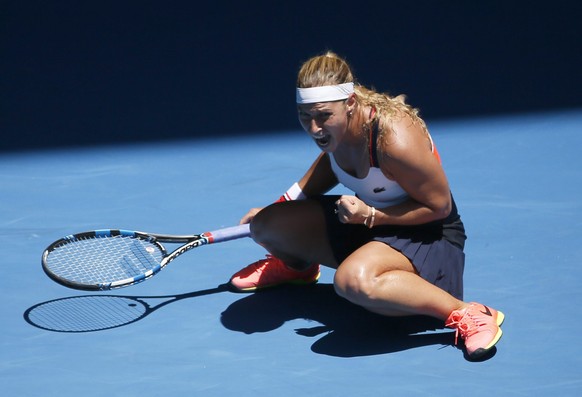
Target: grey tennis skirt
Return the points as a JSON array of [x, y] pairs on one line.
[[435, 249]]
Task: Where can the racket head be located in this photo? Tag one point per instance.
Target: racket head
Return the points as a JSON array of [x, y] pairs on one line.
[[103, 259]]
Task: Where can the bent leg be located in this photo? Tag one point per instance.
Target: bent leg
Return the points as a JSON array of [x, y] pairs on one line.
[[294, 232], [382, 280]]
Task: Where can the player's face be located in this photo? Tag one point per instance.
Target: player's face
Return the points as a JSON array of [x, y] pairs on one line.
[[325, 122]]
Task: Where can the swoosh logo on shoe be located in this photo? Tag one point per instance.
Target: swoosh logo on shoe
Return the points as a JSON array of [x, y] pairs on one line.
[[379, 189], [487, 312]]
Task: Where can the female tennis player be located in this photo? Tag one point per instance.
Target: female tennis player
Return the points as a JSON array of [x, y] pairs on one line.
[[397, 243]]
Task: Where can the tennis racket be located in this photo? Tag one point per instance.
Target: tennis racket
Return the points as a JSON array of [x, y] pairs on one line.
[[106, 259]]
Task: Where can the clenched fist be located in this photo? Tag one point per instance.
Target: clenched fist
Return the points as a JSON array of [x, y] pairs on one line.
[[351, 209]]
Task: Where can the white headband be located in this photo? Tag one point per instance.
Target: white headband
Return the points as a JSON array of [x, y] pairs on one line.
[[326, 93]]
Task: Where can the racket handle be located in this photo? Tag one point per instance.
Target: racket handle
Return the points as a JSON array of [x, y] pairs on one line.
[[229, 233]]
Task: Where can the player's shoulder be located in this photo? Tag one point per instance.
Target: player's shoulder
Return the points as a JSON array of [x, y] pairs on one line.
[[400, 131]]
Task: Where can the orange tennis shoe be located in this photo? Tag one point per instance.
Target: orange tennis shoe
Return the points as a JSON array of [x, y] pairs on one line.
[[271, 272], [478, 325]]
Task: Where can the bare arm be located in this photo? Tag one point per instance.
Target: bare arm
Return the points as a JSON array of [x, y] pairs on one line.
[[406, 157], [319, 178]]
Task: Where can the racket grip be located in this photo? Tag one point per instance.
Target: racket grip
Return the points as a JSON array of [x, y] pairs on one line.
[[229, 233]]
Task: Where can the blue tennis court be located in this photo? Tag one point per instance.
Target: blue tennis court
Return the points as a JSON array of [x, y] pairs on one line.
[[517, 180]]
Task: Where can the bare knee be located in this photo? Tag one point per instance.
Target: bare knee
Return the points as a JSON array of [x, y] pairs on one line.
[[354, 285], [263, 226], [362, 287], [277, 229], [257, 228]]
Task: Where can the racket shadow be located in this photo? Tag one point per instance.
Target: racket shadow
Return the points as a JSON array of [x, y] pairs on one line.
[[343, 330], [91, 313]]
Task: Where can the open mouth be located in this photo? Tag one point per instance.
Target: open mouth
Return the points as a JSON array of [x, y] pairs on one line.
[[322, 141]]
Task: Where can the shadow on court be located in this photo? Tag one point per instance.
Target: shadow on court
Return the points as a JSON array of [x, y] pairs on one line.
[[342, 329], [97, 312]]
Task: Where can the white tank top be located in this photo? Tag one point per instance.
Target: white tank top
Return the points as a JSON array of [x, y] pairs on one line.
[[375, 189]]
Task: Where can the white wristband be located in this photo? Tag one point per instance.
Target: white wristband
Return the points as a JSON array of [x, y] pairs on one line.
[[293, 193]]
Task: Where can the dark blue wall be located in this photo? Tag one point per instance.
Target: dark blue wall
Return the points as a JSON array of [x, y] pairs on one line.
[[89, 72]]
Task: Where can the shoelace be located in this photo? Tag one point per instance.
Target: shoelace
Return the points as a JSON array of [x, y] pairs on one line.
[[258, 266], [266, 262], [466, 326], [278, 266]]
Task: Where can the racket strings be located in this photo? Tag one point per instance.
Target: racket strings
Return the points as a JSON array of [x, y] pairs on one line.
[[102, 259]]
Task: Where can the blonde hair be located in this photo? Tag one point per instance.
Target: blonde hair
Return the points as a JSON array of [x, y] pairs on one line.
[[331, 69]]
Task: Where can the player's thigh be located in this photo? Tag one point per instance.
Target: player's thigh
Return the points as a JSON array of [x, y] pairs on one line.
[[297, 227]]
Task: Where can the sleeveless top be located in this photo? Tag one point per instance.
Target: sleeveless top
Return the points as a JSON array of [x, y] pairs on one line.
[[374, 189]]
